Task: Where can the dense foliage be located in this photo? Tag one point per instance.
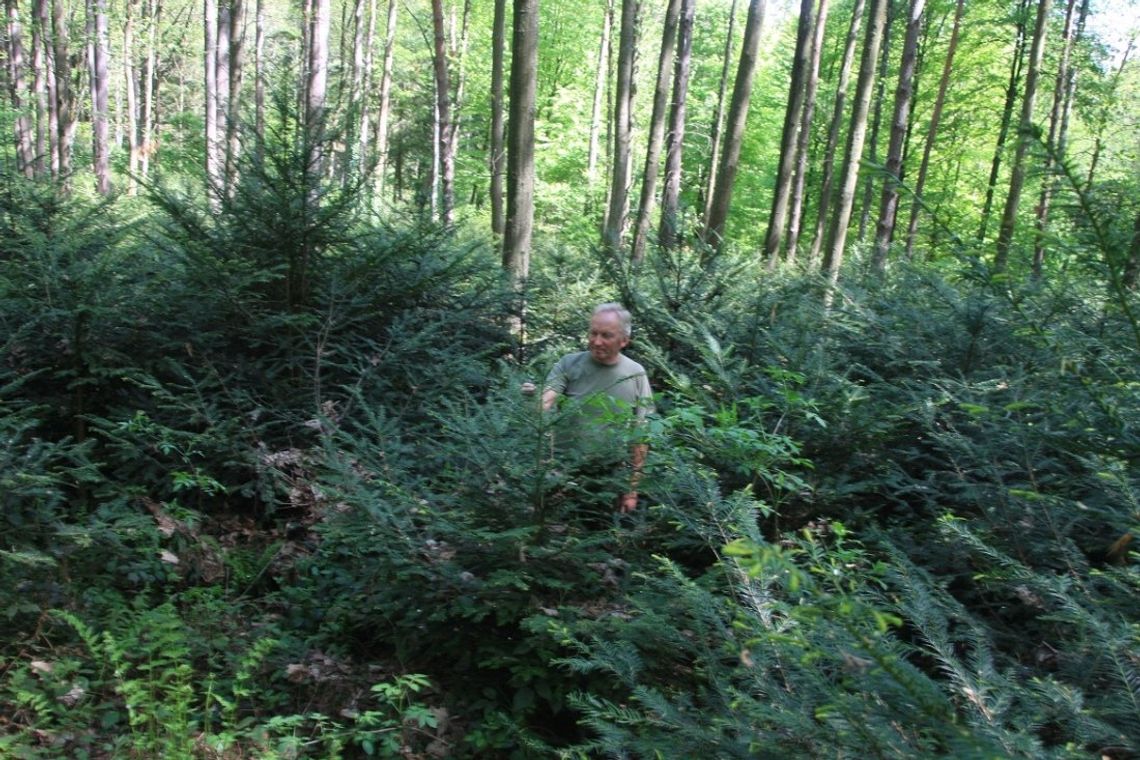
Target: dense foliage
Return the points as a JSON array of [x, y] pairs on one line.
[[270, 489]]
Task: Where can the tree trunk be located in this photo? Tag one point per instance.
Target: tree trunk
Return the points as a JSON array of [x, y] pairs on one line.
[[932, 130], [40, 86], [97, 20], [64, 93], [236, 44], [443, 114], [849, 177], [210, 93], [1015, 67], [795, 215], [718, 117], [495, 159], [618, 208], [656, 128], [520, 143], [384, 108], [17, 89], [459, 56], [131, 86], [150, 84], [1053, 149], [880, 97], [669, 234], [833, 133], [600, 80], [721, 200], [801, 60], [259, 79], [1024, 138], [893, 175]]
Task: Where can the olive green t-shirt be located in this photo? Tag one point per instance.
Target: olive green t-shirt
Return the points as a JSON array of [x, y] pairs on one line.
[[601, 397]]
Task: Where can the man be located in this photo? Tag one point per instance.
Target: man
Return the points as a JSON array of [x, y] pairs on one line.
[[605, 385]]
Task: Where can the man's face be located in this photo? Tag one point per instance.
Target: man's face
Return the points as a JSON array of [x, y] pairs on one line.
[[606, 338]]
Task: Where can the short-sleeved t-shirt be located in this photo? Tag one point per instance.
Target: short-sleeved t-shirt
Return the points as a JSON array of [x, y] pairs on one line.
[[601, 388]]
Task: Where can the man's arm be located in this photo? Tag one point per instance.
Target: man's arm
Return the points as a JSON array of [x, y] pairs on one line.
[[637, 454]]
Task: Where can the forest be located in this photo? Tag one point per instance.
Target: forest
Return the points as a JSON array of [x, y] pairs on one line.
[[276, 277]]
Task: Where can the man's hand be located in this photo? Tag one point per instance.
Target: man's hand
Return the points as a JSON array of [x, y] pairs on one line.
[[629, 502], [527, 389]]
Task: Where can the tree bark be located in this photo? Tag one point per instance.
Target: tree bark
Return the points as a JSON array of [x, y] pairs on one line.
[[236, 44], [40, 85], [495, 159], [669, 233], [64, 92], [801, 60], [210, 93], [718, 117], [520, 143], [1053, 146], [833, 133], [618, 208], [656, 128], [1016, 64], [600, 81], [259, 80], [795, 215], [443, 114], [384, 108], [932, 129], [849, 178], [893, 175], [97, 21], [1024, 138], [17, 89], [876, 120], [131, 86], [720, 202], [149, 142]]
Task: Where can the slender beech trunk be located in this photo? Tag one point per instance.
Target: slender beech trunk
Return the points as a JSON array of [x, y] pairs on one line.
[[1053, 148], [932, 130], [51, 102], [721, 201], [849, 177], [384, 108], [656, 128], [150, 85], [39, 85], [210, 93], [496, 154], [795, 214], [801, 61], [880, 97], [459, 56], [1017, 62], [718, 117], [236, 44], [1103, 119], [17, 89], [669, 232], [443, 114], [520, 143], [825, 191], [900, 121], [98, 50], [1024, 138], [600, 81], [64, 92], [618, 208], [131, 87]]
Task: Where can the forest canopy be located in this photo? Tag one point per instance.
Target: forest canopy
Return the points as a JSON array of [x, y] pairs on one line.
[[272, 277]]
